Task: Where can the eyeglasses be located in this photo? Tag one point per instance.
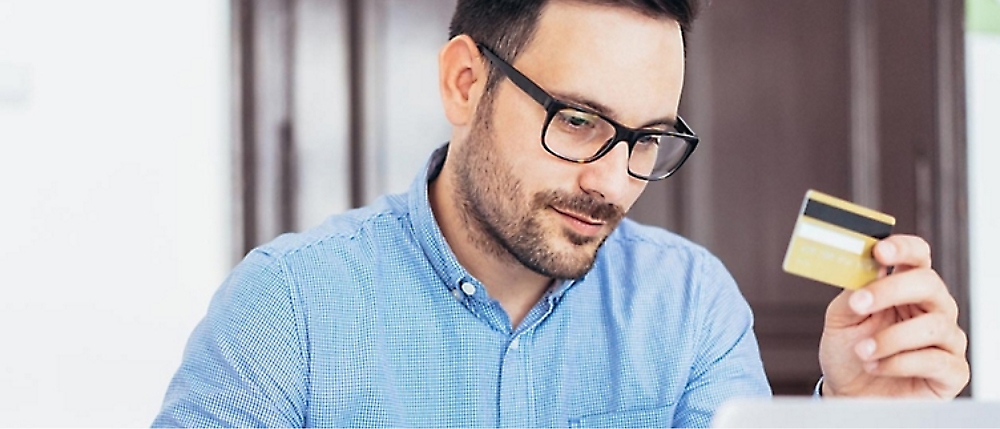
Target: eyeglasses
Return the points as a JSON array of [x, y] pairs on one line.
[[578, 134]]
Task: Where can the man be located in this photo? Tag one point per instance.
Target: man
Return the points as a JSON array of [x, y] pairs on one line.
[[505, 289]]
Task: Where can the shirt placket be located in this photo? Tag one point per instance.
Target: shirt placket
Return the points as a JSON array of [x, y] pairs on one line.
[[517, 394]]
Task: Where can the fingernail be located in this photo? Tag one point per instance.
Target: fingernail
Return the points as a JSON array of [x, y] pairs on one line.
[[861, 300], [865, 349], [887, 249], [870, 366]]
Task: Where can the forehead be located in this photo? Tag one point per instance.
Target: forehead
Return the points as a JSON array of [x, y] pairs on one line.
[[615, 56]]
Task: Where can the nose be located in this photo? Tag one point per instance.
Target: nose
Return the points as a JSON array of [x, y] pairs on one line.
[[608, 178]]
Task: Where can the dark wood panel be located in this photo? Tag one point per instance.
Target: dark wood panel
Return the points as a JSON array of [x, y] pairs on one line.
[[778, 121], [854, 98], [906, 84]]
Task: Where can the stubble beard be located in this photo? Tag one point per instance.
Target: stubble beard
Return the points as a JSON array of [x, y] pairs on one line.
[[505, 224]]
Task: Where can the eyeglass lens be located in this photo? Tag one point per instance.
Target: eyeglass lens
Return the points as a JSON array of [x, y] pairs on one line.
[[579, 136]]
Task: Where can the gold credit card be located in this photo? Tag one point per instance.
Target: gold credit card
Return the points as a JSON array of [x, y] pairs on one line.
[[833, 239]]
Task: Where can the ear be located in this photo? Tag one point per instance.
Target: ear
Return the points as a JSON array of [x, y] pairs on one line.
[[462, 78]]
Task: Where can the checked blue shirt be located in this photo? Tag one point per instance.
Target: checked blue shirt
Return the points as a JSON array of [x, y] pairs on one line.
[[369, 320]]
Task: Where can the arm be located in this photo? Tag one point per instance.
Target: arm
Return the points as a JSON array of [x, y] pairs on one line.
[[245, 363]]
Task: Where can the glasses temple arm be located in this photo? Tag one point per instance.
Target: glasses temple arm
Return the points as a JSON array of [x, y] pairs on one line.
[[522, 81]]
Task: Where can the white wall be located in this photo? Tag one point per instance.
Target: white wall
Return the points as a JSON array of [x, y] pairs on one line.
[[113, 196], [412, 33], [983, 53]]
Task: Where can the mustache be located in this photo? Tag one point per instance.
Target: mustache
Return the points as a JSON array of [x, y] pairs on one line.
[[583, 204]]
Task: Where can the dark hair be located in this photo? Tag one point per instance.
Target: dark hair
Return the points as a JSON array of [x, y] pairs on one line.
[[506, 26]]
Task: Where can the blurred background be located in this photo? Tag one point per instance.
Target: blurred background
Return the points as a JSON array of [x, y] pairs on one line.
[[146, 145]]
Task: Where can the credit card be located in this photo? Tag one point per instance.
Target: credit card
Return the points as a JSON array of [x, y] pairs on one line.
[[833, 239]]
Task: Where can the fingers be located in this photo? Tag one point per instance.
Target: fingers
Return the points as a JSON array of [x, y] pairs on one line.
[[909, 252], [903, 250], [840, 314], [903, 327], [921, 287], [925, 331], [945, 373]]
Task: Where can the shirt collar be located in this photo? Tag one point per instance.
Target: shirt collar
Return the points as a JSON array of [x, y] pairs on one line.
[[425, 226], [432, 241]]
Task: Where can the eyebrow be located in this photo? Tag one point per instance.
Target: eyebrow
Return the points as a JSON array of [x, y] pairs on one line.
[[607, 111]]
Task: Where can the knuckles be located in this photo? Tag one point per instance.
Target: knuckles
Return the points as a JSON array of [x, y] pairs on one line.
[[914, 246], [914, 287]]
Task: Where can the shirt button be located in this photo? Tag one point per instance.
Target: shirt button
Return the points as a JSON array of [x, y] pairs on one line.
[[515, 343], [456, 294], [469, 288]]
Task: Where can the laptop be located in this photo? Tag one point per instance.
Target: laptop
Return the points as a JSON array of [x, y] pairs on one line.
[[799, 412]]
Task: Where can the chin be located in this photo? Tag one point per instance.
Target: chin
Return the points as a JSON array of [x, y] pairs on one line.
[[570, 256]]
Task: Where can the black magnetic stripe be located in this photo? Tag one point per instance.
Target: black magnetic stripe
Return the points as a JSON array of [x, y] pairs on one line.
[[845, 219]]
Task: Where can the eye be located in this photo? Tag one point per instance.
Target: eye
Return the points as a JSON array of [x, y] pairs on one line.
[[648, 141], [576, 120]]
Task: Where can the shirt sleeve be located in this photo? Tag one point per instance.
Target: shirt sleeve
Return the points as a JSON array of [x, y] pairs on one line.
[[727, 364], [245, 363]]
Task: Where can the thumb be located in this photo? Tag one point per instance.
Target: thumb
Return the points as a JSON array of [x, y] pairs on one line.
[[849, 308]]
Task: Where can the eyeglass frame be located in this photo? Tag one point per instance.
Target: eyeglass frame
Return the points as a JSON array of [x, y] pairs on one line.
[[553, 106]]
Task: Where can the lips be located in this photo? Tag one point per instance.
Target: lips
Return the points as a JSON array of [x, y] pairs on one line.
[[584, 217], [580, 218], [581, 225]]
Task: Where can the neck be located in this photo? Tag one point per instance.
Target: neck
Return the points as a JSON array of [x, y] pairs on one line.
[[513, 285]]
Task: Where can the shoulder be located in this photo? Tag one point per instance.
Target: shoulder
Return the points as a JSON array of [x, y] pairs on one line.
[[654, 262], [640, 244], [630, 231], [294, 271], [336, 253], [388, 215]]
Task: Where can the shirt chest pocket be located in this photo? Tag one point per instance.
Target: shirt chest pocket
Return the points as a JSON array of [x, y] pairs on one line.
[[659, 417]]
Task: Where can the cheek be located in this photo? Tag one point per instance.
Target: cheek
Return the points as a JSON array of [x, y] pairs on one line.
[[518, 142], [635, 190], [518, 125]]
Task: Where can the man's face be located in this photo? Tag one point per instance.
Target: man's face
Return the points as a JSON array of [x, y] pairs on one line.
[[549, 214]]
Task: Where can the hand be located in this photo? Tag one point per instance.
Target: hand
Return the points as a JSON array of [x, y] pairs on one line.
[[898, 336]]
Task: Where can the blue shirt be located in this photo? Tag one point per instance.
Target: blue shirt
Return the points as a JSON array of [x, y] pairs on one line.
[[369, 320]]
